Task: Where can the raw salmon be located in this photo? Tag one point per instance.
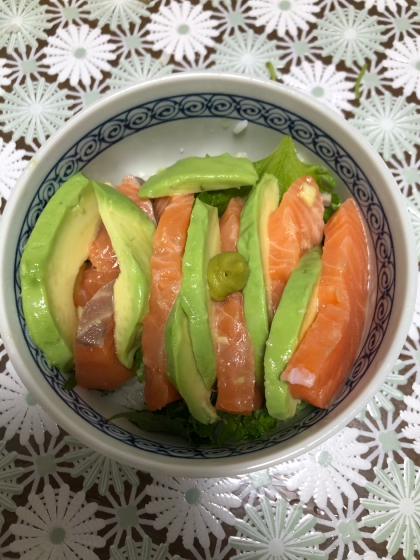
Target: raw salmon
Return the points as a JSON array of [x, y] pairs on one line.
[[95, 357], [101, 269], [104, 266], [319, 367], [159, 205], [131, 186], [166, 266], [237, 390], [294, 228]]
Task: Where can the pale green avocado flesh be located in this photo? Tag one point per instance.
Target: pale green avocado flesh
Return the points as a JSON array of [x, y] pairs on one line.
[[196, 174], [51, 260], [253, 245], [285, 332], [203, 242], [182, 368], [131, 233]]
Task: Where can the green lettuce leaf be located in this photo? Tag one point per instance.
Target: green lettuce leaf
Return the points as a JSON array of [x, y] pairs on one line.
[[176, 419], [220, 199], [285, 165]]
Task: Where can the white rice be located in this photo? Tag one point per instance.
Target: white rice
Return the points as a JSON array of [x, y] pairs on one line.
[[240, 127]]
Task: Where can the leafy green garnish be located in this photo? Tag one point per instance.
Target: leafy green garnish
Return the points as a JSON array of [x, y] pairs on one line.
[[176, 419], [285, 165], [220, 199], [138, 366], [333, 207], [70, 382]]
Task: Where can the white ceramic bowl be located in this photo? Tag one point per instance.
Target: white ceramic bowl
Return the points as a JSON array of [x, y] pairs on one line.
[[153, 124]]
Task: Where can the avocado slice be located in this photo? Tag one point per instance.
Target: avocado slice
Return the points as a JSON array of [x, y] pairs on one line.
[[253, 245], [131, 233], [51, 260], [196, 174], [182, 369], [294, 315], [203, 242]]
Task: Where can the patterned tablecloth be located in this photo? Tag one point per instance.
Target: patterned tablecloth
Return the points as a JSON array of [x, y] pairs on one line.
[[356, 496]]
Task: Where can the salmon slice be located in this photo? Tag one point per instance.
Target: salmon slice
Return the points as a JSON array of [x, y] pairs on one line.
[[159, 205], [95, 356], [130, 186], [100, 252], [166, 267], [237, 391], [89, 281], [321, 364], [294, 228], [102, 268]]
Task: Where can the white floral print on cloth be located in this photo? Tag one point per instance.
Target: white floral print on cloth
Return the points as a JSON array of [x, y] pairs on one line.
[[350, 35], [182, 30], [19, 412], [96, 468], [383, 4], [395, 508], [389, 123], [144, 551], [4, 81], [137, 69], [246, 53], [322, 82], [192, 508], [343, 529], [384, 398], [412, 417], [403, 65], [406, 173], [57, 524], [22, 23], [41, 464], [286, 15], [384, 439], [329, 470], [25, 65], [8, 476], [232, 16], [78, 53], [34, 110], [282, 533], [120, 13], [413, 333], [413, 206], [11, 164]]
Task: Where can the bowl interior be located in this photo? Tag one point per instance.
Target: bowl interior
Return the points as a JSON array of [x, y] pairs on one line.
[[156, 133]]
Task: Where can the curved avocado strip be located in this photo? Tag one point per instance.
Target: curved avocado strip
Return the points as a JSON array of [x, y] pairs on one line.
[[203, 242], [51, 260], [253, 245], [182, 369], [196, 174], [290, 320], [131, 234]]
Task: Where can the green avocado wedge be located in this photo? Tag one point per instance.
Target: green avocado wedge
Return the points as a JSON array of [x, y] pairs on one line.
[[51, 260], [203, 242], [131, 233], [196, 174], [182, 369], [290, 320], [253, 245]]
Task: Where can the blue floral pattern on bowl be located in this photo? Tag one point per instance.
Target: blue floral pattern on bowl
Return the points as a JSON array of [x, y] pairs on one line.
[[212, 105]]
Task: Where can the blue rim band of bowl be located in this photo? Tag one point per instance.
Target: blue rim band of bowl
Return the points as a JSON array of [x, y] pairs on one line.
[[216, 105]]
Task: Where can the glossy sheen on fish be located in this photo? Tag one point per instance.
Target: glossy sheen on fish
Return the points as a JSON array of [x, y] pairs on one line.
[[131, 186], [166, 266], [237, 390], [294, 228], [95, 357], [330, 346]]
